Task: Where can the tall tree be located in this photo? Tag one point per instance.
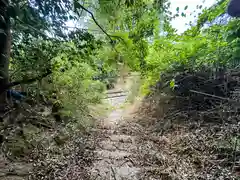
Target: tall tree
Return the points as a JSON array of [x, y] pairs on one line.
[[25, 17], [5, 45]]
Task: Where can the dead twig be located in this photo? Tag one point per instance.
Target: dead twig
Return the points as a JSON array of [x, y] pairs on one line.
[[114, 174], [235, 153], [214, 96]]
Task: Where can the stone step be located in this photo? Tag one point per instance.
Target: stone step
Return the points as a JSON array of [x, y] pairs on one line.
[[112, 154], [112, 171], [116, 145], [123, 138], [107, 163], [104, 130]]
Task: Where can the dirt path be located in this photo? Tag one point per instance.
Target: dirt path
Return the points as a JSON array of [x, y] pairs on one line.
[[113, 148], [118, 147]]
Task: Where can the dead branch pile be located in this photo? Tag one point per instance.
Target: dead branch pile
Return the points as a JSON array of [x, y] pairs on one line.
[[202, 95], [201, 119]]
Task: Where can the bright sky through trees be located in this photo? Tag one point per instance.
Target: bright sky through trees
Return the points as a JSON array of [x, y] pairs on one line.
[[180, 22]]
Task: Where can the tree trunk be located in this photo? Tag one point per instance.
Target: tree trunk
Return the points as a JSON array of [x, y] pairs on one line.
[[5, 45]]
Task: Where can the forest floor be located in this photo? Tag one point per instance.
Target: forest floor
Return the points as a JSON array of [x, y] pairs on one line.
[[132, 138]]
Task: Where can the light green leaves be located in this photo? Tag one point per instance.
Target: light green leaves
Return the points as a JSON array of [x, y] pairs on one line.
[[172, 83]]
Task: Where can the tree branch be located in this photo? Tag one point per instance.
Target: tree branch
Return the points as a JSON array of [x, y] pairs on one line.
[[105, 32], [94, 19], [82, 9], [25, 81]]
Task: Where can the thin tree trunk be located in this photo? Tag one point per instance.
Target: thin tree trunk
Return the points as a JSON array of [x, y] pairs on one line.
[[5, 46]]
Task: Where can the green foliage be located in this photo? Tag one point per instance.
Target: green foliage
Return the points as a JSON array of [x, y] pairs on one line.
[[76, 89], [73, 63], [41, 43], [147, 51], [172, 83], [82, 64]]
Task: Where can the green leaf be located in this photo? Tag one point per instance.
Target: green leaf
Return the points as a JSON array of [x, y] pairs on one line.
[[186, 7], [172, 83], [183, 14], [177, 9]]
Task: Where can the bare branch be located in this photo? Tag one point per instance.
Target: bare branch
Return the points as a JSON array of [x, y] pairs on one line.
[[94, 19], [105, 32], [25, 81]]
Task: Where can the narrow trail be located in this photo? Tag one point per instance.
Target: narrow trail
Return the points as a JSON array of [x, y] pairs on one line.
[[118, 147]]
